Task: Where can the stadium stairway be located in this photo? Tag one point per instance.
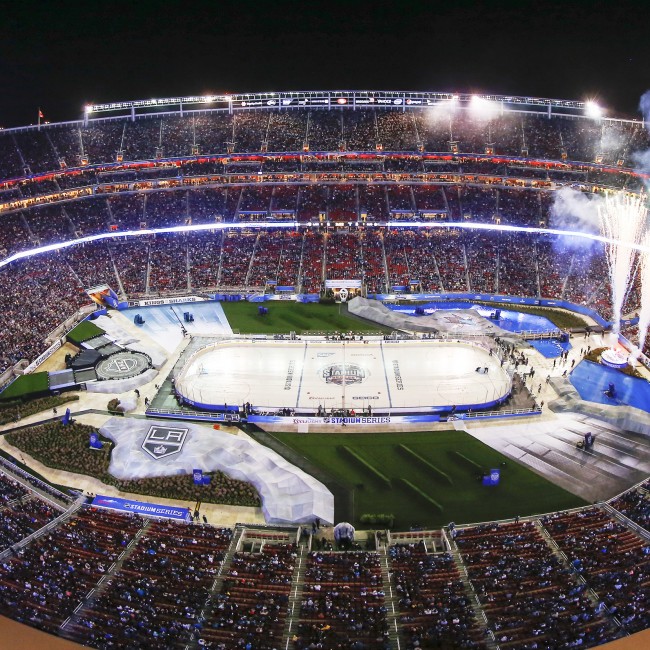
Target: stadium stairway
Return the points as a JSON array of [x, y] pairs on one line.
[[117, 274], [67, 628], [479, 614], [148, 276], [390, 601], [47, 496], [64, 516], [218, 581], [298, 582]]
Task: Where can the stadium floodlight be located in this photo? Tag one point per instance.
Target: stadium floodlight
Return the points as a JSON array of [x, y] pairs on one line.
[[89, 108], [593, 110], [482, 108]]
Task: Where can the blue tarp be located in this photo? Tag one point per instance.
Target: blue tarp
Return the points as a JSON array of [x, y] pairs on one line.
[[591, 380]]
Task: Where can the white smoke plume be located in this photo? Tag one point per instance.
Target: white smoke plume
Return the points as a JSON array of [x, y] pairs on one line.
[[644, 107], [576, 212], [642, 158]]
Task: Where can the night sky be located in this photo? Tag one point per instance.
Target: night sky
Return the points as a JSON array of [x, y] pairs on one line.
[[60, 55]]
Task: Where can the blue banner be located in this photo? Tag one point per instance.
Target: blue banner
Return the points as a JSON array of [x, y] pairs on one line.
[[198, 476], [206, 479], [358, 419], [141, 507]]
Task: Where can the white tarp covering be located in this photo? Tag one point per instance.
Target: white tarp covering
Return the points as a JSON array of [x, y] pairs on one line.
[[455, 322], [288, 494]]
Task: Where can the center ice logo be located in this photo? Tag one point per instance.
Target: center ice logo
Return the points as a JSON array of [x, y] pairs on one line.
[[340, 373], [121, 366], [164, 441]]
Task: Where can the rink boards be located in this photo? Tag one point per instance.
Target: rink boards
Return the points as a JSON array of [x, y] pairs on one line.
[[395, 376]]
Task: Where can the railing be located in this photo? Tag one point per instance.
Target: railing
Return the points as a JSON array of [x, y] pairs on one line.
[[33, 481]]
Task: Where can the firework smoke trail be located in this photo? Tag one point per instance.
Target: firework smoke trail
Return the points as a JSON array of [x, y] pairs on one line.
[[644, 312], [622, 218]]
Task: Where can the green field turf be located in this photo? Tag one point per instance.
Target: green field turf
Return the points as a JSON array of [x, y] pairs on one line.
[[84, 331], [455, 487], [288, 316], [26, 386]]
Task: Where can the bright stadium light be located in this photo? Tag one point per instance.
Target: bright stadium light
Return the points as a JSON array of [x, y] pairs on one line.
[[482, 108], [244, 225], [593, 110]]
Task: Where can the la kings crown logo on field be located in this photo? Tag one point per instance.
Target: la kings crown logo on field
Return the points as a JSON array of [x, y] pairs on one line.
[[161, 442]]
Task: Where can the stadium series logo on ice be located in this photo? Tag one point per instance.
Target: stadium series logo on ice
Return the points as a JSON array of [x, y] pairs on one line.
[[161, 442], [339, 373]]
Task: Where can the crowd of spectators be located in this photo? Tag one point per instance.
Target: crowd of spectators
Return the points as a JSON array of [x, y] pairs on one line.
[[168, 264], [277, 259], [11, 490], [152, 136], [435, 609], [40, 486], [614, 561], [343, 256], [250, 610], [540, 266], [311, 277], [23, 517], [238, 250], [43, 583], [343, 603], [156, 597], [530, 598], [167, 592], [373, 263], [92, 264], [14, 234], [38, 294], [635, 505], [52, 285]]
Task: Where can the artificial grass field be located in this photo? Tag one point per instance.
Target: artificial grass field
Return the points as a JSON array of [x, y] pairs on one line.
[[84, 331], [462, 498], [289, 316], [25, 386]]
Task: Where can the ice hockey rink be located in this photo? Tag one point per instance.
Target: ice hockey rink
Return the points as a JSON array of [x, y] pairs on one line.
[[404, 376]]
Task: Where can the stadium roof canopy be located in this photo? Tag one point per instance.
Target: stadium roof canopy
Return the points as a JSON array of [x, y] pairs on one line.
[[350, 99]]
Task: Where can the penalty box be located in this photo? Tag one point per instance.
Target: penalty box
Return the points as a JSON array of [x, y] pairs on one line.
[[396, 376]]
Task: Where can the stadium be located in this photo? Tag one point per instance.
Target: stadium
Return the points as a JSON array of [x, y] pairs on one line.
[[390, 347]]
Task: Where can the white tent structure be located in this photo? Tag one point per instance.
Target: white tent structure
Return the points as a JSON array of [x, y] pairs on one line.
[[289, 495]]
